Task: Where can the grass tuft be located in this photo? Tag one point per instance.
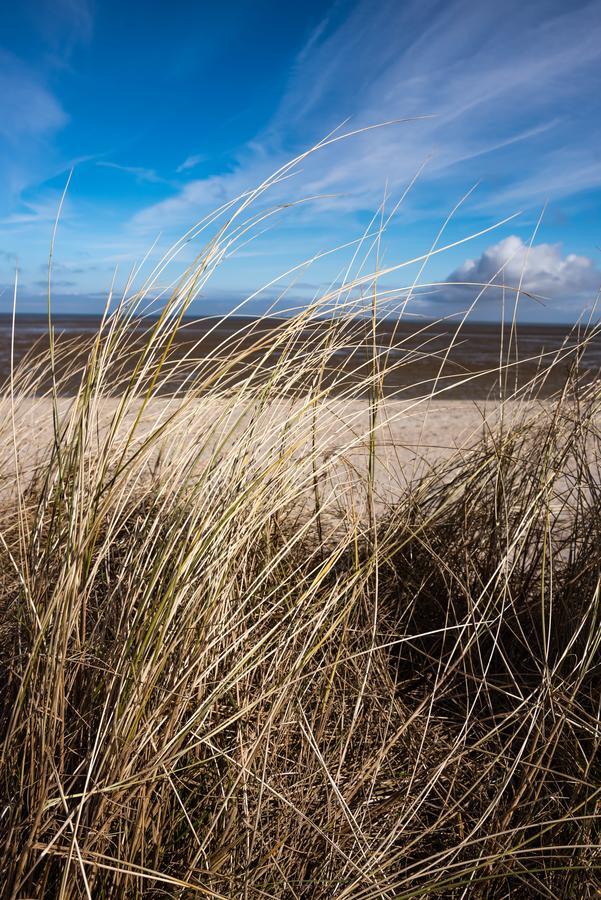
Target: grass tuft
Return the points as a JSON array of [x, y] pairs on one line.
[[248, 649]]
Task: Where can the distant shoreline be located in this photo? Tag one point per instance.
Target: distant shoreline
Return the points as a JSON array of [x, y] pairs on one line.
[[420, 353]]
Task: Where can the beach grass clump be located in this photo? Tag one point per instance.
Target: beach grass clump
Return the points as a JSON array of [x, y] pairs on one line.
[[493, 582], [231, 669]]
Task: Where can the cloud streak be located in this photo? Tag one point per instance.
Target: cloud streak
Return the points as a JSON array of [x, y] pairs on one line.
[[30, 117], [140, 173], [27, 108], [190, 162], [499, 90], [63, 24], [31, 113]]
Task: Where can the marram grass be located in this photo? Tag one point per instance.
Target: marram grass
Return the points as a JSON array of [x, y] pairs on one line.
[[228, 673]]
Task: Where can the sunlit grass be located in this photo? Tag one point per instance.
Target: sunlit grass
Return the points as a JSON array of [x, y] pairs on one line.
[[230, 668]]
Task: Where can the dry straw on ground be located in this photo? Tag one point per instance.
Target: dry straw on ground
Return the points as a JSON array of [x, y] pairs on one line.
[[252, 646]]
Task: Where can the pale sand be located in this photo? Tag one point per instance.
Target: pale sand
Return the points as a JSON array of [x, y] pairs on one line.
[[411, 436]]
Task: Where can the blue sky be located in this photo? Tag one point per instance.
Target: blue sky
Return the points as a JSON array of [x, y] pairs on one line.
[[166, 110]]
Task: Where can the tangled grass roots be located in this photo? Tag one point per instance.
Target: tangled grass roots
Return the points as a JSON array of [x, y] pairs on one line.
[[207, 690]]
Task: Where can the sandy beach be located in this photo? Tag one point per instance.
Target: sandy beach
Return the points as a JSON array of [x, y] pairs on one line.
[[410, 437]]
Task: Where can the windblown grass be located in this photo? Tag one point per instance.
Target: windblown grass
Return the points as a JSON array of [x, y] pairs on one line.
[[229, 670]]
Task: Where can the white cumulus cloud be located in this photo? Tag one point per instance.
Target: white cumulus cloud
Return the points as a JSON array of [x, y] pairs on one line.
[[543, 270]]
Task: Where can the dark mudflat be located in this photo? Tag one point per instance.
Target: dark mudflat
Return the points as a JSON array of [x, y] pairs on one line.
[[418, 355]]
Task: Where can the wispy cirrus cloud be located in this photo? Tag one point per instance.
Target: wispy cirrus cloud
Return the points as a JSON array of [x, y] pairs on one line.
[[30, 117], [497, 89], [139, 173], [28, 109], [190, 162], [63, 24], [42, 211], [31, 112]]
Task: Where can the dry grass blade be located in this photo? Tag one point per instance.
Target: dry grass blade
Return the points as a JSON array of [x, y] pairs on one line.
[[247, 652]]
